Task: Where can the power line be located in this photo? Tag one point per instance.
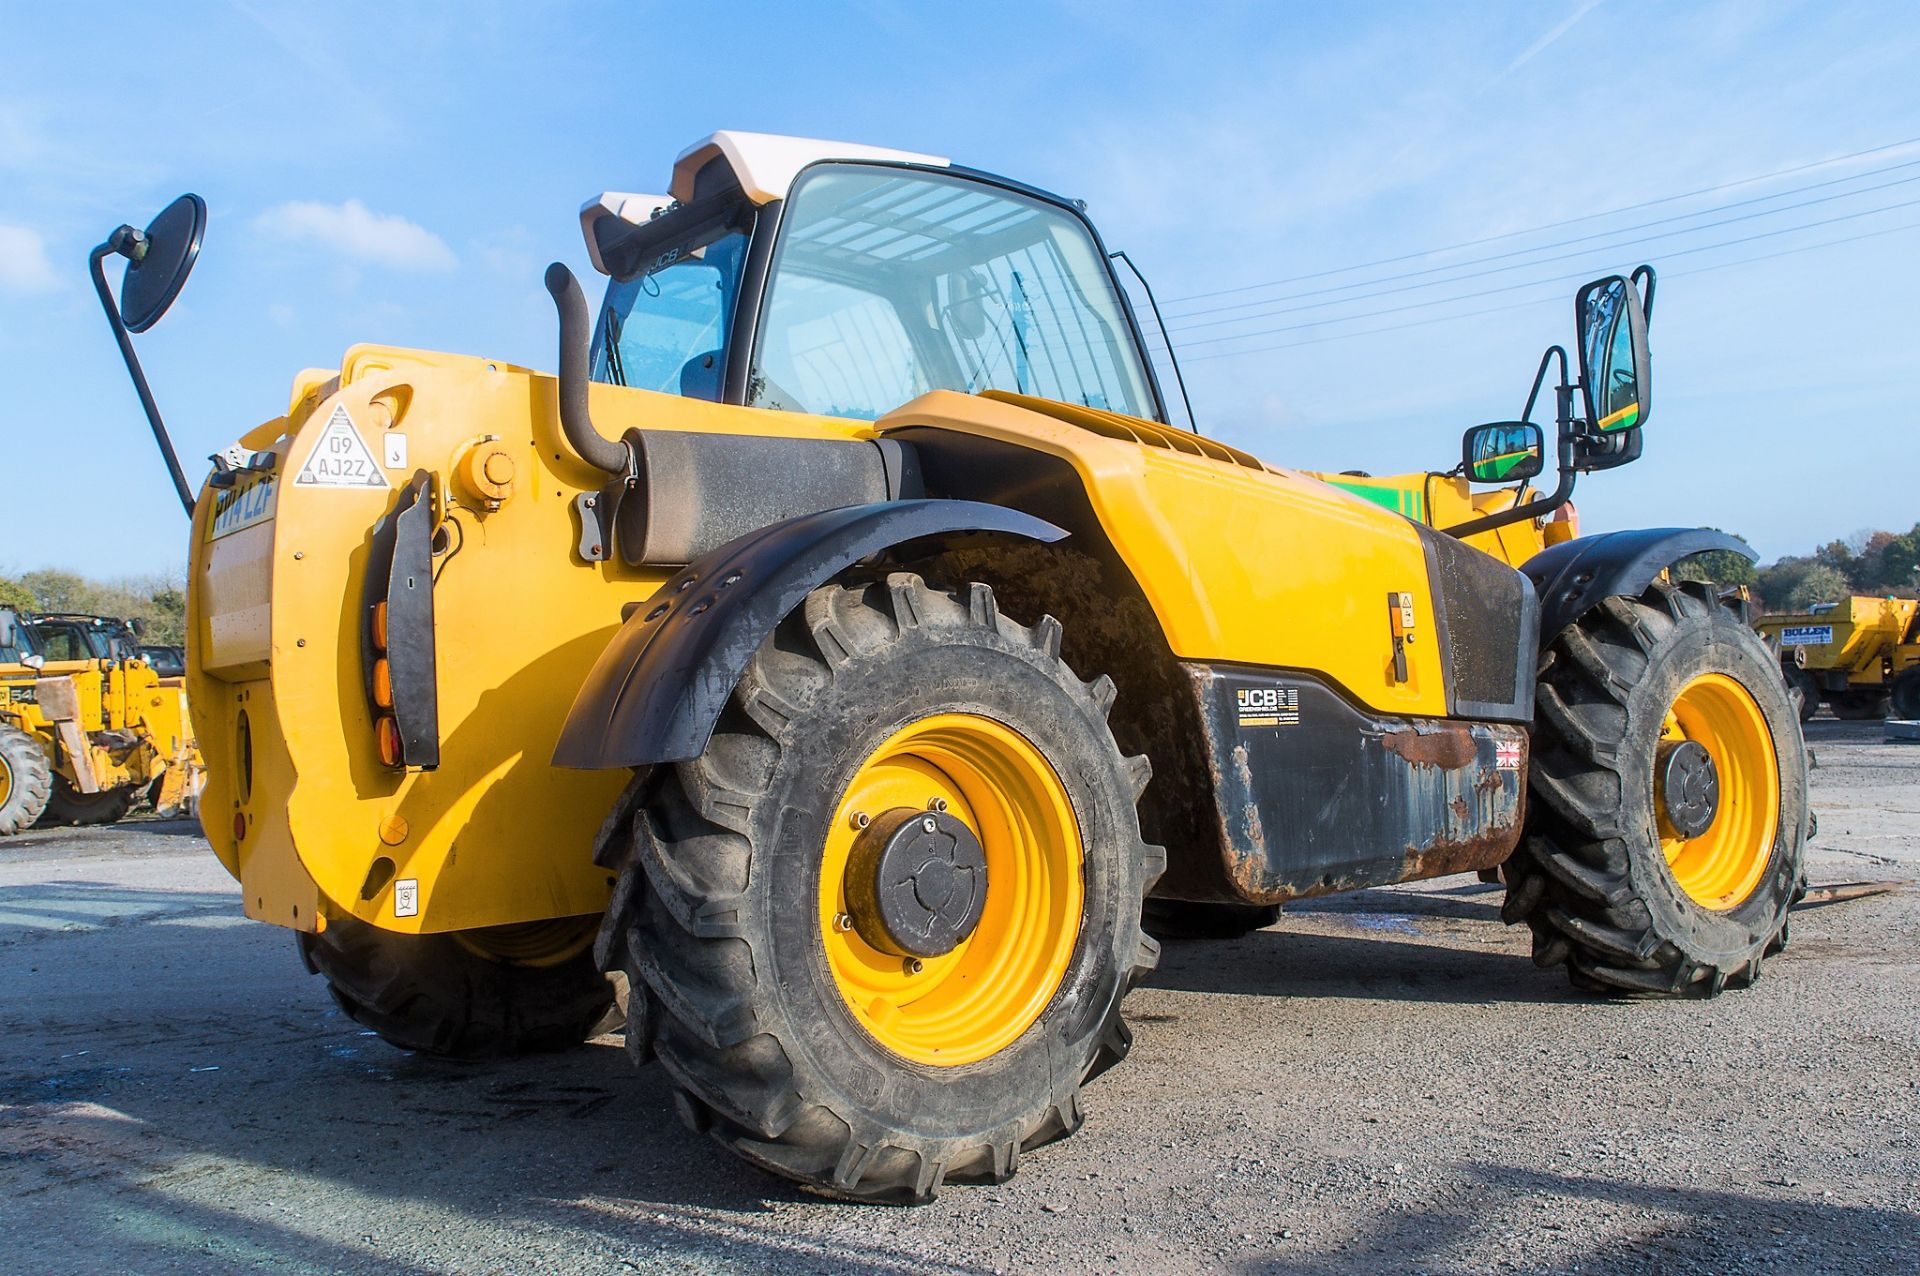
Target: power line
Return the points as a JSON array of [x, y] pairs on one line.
[[1534, 230], [1578, 239], [1542, 261], [1489, 292], [1538, 301]]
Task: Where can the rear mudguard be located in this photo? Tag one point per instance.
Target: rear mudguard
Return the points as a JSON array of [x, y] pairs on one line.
[[659, 687], [1575, 575]]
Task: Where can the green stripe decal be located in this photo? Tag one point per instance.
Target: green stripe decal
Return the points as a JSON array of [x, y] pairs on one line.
[[1397, 500]]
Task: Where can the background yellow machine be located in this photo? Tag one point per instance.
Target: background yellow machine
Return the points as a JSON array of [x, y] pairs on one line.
[[88, 727], [845, 649], [1861, 656]]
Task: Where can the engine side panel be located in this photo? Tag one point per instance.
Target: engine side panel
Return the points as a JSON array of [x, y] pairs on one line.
[[1241, 562]]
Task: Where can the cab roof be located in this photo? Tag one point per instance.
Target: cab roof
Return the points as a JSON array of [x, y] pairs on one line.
[[764, 164]]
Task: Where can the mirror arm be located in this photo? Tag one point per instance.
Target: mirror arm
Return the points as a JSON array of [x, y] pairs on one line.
[[128, 242], [1563, 491]]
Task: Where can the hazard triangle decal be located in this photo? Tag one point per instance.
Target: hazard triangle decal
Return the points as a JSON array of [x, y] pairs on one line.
[[340, 459]]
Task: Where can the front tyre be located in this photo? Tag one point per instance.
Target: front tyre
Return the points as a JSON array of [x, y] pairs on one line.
[[882, 927], [26, 782], [1668, 818]]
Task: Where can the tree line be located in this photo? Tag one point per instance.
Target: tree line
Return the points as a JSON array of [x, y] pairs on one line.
[[1871, 562], [159, 601]]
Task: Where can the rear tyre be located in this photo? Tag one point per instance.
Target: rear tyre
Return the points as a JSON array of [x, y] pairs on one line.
[[1180, 919], [1858, 706], [68, 805], [26, 783], [752, 906], [1905, 695], [1805, 688], [481, 994], [1668, 818]]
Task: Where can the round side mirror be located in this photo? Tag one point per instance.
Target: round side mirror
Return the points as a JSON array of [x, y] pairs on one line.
[[157, 270]]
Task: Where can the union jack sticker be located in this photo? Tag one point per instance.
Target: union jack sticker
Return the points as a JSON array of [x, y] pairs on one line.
[[1506, 755]]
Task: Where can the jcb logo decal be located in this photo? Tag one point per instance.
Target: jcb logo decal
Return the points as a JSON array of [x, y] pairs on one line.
[[1266, 706]]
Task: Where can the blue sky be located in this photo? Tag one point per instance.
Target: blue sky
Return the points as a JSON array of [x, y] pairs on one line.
[[403, 172]]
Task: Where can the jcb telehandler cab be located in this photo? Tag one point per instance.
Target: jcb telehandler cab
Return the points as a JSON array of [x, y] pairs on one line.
[[878, 651]]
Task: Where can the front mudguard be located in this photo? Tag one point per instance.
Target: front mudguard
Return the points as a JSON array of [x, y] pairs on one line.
[[656, 692], [1576, 575]]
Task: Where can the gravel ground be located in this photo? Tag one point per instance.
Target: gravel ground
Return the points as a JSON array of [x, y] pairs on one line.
[[1376, 1083]]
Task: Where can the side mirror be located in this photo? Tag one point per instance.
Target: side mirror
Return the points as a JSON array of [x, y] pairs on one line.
[[1615, 368], [9, 629], [139, 626], [159, 259], [1503, 451], [34, 662]]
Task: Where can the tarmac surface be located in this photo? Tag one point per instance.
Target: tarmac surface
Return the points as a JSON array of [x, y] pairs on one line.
[[1381, 1082]]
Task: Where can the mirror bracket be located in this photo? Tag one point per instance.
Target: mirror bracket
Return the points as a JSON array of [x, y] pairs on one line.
[[1568, 425]]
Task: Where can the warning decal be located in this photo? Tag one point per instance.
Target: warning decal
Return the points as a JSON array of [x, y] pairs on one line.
[[340, 459]]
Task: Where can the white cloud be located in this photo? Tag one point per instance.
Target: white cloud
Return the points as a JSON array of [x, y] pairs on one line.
[[358, 233], [24, 266]]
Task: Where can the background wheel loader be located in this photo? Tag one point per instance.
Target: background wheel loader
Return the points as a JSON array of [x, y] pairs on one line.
[[88, 728], [894, 656]]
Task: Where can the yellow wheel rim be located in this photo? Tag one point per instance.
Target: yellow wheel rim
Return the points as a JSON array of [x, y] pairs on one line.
[[6, 781], [966, 1004], [1720, 867]]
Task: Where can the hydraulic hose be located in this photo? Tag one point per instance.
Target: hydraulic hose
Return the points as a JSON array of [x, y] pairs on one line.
[[594, 448]]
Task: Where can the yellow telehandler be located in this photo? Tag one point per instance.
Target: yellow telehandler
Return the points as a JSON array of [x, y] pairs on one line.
[[845, 647]]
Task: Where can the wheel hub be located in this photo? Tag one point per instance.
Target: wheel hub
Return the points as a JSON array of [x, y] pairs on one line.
[[916, 882], [1689, 787]]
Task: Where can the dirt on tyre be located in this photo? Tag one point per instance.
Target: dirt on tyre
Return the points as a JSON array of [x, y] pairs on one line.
[[68, 805], [26, 782], [879, 932], [1668, 809], [484, 994]]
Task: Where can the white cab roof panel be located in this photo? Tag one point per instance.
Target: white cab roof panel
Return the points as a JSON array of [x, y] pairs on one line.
[[765, 165]]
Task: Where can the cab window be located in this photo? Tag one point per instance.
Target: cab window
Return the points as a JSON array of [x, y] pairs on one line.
[[887, 283]]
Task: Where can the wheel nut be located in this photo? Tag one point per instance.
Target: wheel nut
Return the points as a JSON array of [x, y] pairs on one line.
[[842, 922], [913, 965], [937, 804], [860, 819]]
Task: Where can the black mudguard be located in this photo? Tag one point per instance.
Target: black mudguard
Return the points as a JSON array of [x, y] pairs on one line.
[[657, 690], [1573, 576]]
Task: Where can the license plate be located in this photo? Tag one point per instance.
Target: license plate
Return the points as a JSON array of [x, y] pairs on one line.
[[248, 501]]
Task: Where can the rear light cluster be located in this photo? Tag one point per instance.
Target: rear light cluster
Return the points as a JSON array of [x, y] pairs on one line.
[[386, 731]]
